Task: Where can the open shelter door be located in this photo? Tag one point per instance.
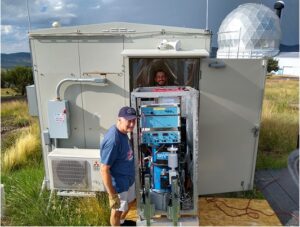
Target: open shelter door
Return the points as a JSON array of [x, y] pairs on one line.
[[231, 95]]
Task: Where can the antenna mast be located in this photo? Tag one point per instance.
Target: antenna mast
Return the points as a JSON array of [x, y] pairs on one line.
[[28, 15], [206, 22]]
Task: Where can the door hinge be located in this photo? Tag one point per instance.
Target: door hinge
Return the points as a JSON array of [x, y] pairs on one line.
[[255, 131]]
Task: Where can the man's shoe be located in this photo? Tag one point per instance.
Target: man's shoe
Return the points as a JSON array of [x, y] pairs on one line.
[[129, 223]]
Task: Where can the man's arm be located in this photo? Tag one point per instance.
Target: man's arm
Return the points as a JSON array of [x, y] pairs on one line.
[[106, 178], [114, 201]]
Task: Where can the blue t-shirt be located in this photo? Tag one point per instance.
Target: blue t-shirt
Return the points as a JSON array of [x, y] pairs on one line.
[[115, 151]]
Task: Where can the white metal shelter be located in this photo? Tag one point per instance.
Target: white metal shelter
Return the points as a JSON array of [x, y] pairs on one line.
[[99, 65]]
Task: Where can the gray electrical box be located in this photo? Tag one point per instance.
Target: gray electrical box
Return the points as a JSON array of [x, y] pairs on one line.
[[58, 116], [32, 100]]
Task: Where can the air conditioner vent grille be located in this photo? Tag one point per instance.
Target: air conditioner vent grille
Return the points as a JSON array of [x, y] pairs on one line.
[[71, 174]]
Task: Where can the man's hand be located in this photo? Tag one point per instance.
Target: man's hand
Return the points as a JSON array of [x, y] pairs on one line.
[[114, 201]]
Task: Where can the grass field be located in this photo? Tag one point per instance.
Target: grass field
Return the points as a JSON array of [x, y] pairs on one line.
[[25, 206], [23, 170], [14, 118], [8, 92], [280, 123], [22, 173]]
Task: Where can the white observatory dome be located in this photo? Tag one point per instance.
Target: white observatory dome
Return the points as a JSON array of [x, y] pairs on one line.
[[249, 31]]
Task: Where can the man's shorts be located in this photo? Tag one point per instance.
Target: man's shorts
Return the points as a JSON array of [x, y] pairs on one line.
[[126, 198]]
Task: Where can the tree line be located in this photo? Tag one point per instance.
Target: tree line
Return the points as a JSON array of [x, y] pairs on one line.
[[272, 65], [17, 78]]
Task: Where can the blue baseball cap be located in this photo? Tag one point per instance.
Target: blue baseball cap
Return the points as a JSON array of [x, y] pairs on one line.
[[128, 113]]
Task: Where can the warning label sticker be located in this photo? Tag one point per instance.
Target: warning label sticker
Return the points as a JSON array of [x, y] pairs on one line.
[[60, 118]]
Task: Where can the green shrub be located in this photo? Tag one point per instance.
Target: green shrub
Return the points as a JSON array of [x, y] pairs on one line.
[[17, 78], [272, 65]]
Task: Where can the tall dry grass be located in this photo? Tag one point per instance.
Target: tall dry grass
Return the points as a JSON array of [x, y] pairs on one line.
[[8, 92], [15, 114], [14, 108], [280, 123], [23, 146], [24, 204], [94, 210], [25, 149]]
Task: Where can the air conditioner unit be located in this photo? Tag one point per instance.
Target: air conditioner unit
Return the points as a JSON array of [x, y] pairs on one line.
[[75, 169]]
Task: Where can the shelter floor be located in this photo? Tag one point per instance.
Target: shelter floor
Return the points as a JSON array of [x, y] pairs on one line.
[[231, 211]]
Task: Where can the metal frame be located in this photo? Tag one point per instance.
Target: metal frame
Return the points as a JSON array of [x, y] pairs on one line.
[[191, 96]]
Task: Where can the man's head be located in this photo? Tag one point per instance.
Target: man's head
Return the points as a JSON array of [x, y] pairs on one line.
[[126, 119], [160, 78]]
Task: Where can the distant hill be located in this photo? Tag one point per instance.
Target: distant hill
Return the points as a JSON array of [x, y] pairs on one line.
[[9, 61]]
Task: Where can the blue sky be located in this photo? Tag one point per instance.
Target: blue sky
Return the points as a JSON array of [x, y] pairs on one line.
[[182, 13]]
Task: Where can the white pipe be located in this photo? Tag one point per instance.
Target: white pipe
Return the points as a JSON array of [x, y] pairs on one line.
[[86, 80], [43, 186], [2, 201]]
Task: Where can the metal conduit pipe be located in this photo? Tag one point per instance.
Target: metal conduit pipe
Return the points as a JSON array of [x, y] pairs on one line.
[[85, 80]]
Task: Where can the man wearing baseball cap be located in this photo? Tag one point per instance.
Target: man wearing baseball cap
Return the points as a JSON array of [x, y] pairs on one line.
[[117, 166]]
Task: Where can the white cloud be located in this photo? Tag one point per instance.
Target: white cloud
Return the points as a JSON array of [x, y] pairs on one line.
[[14, 39], [49, 4], [98, 4], [13, 12], [58, 6], [71, 6], [15, 47], [43, 13], [14, 33], [54, 6], [6, 29], [96, 7]]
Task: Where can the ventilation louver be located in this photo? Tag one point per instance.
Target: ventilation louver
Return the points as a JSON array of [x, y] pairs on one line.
[[71, 174]]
